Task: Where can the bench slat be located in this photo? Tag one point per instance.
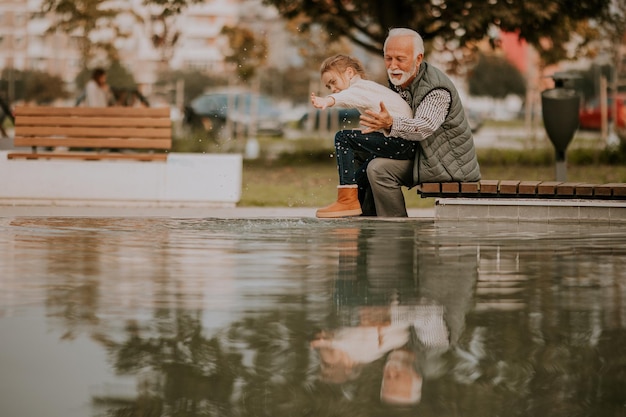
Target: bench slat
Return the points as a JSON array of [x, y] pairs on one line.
[[585, 190], [603, 190], [90, 156], [611, 189], [470, 187], [527, 187], [489, 186], [430, 187], [450, 187], [508, 187], [566, 189], [84, 142], [94, 121], [619, 189], [93, 111], [547, 188], [95, 132]]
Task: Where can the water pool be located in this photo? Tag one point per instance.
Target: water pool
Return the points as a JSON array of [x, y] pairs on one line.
[[300, 317]]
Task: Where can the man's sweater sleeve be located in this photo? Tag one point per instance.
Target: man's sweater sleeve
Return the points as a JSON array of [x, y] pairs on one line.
[[429, 115]]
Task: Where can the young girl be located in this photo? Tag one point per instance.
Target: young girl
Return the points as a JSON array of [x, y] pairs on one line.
[[345, 78]]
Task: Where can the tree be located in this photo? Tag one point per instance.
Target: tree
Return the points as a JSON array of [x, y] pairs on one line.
[[43, 88], [82, 18], [546, 25], [494, 76], [247, 51], [171, 7], [34, 86], [614, 35], [162, 18], [315, 44], [195, 82], [120, 77]]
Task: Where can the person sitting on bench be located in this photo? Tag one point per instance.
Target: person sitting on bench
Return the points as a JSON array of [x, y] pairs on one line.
[[445, 146]]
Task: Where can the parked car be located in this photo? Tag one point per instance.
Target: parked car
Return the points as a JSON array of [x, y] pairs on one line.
[[212, 111], [345, 119], [590, 117], [475, 120]]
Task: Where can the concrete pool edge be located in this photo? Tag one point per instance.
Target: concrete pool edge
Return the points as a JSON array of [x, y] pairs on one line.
[[455, 210]]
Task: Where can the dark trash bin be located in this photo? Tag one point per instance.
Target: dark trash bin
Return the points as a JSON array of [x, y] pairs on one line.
[[560, 106]]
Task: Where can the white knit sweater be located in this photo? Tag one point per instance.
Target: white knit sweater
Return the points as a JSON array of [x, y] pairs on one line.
[[367, 95]]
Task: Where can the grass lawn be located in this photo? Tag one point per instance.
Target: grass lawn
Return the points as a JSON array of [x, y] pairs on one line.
[[305, 185]]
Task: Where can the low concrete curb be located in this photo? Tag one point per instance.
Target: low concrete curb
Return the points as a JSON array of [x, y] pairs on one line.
[[531, 210], [183, 180]]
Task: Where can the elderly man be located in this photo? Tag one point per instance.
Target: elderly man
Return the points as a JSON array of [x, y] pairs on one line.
[[445, 150]]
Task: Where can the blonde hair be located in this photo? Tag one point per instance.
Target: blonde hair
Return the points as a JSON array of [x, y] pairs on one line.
[[340, 63]]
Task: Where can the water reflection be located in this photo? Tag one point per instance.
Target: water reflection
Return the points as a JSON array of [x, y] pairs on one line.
[[390, 296], [160, 317]]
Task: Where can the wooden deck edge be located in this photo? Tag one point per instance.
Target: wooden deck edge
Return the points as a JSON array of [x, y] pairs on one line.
[[509, 189]]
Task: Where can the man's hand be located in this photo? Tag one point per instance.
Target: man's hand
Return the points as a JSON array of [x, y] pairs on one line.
[[376, 121]]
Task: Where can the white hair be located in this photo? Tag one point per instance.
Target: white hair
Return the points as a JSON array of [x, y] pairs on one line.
[[413, 397], [418, 42], [402, 361]]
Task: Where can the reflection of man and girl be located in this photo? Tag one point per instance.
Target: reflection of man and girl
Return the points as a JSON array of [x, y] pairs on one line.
[[400, 297], [401, 333]]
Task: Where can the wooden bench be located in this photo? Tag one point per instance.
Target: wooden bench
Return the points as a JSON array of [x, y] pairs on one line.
[[137, 133], [523, 189]]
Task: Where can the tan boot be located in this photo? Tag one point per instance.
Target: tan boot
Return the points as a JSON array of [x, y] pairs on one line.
[[347, 204]]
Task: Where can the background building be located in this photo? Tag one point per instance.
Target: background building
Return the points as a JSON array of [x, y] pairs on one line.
[[146, 46]]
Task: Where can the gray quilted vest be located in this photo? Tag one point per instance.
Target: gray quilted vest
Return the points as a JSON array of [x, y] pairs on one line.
[[448, 155]]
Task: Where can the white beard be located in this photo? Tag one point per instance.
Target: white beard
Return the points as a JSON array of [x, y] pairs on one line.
[[406, 75]]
